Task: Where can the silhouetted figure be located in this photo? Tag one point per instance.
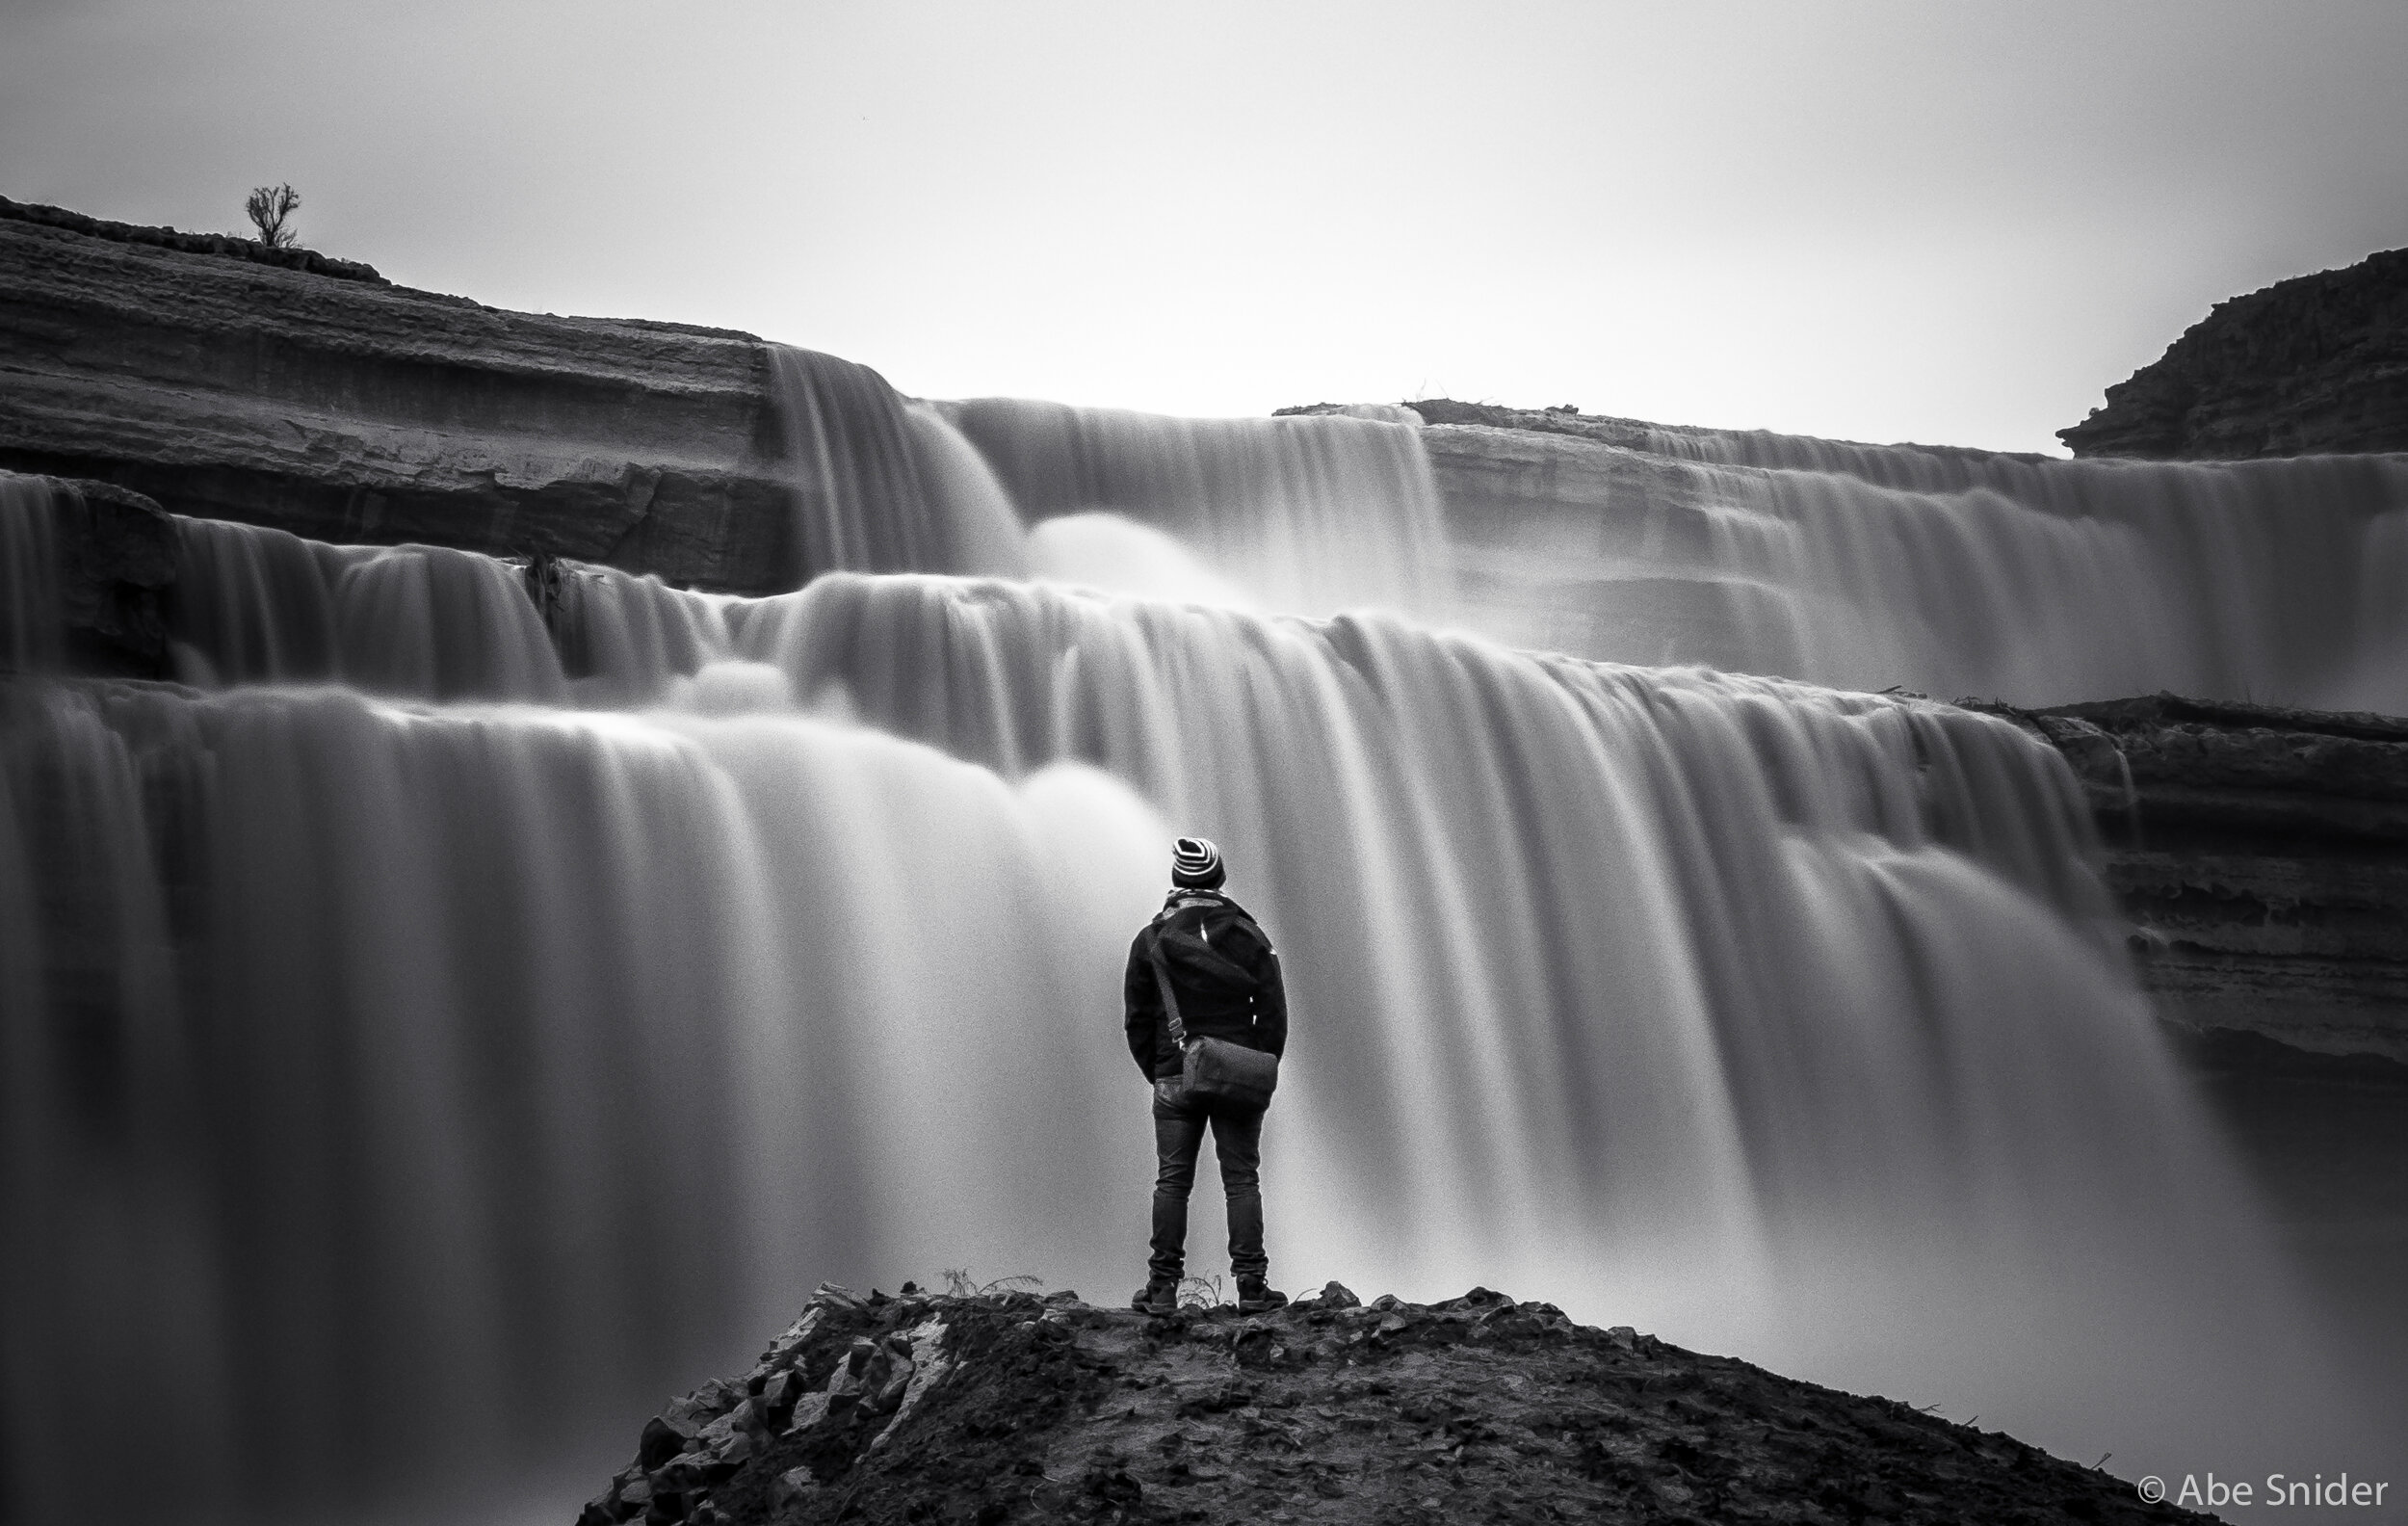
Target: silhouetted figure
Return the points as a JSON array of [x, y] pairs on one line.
[[1207, 1022]]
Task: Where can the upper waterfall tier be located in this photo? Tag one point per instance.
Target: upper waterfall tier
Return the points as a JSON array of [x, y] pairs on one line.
[[1947, 570], [1316, 514], [348, 412]]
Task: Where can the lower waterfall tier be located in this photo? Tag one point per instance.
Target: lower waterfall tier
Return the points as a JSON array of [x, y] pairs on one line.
[[392, 1078]]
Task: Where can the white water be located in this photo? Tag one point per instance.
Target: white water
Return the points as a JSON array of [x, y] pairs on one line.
[[434, 1078], [881, 484], [2039, 581], [1313, 514], [31, 635], [434, 1034], [1940, 571]]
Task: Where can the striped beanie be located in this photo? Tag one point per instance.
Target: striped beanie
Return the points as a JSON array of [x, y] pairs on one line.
[[1195, 863]]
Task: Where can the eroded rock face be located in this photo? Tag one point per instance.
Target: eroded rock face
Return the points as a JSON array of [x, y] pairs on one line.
[[2263, 855], [344, 409], [2317, 363], [1012, 1407]]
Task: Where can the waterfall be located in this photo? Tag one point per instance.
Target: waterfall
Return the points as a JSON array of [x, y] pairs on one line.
[[31, 628], [473, 1000], [436, 1028], [1310, 515], [259, 605], [1306, 515], [1959, 572], [881, 485]]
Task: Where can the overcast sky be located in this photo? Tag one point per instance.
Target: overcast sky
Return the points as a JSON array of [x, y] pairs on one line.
[[1940, 221]]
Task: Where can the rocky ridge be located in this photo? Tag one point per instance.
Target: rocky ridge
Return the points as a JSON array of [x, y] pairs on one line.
[[1001, 1407], [226, 245], [2311, 364]]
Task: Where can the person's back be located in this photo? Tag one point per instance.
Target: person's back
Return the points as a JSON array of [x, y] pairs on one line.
[[1203, 970]]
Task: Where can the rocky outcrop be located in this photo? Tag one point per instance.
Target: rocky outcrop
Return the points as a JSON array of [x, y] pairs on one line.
[[226, 384], [2262, 855], [226, 245], [1014, 1408], [2318, 364]]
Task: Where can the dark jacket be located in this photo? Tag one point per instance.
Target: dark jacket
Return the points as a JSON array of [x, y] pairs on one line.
[[1236, 996]]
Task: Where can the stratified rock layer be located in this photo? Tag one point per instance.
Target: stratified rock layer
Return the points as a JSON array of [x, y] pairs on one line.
[[340, 407], [2263, 855], [2313, 364], [1012, 1408]]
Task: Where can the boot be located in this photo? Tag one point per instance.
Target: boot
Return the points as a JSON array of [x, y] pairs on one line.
[[1161, 1296], [1256, 1295]]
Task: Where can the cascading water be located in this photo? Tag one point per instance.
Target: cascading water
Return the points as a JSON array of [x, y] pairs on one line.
[[2039, 581], [257, 605], [881, 485], [436, 1029], [30, 626], [1311, 514]]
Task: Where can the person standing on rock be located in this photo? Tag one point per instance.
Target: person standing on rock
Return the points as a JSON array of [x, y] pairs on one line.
[[1207, 1021]]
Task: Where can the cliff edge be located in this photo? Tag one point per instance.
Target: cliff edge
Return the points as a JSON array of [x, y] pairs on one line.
[[2318, 364], [277, 388]]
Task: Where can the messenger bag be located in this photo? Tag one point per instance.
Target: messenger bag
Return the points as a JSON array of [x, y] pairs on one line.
[[1214, 1069]]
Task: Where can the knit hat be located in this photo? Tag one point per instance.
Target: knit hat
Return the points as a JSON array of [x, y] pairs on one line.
[[1195, 863]]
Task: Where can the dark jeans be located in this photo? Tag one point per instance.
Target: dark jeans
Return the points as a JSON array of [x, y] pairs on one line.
[[1238, 1145]]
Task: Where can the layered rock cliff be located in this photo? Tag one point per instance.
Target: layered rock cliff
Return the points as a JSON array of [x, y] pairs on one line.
[[1012, 1408], [317, 398], [2262, 855], [2310, 364]]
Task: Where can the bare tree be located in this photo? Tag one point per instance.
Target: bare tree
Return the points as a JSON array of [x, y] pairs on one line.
[[267, 208]]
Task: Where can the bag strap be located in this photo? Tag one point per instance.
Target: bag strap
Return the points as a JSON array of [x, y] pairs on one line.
[[1200, 953], [1171, 998]]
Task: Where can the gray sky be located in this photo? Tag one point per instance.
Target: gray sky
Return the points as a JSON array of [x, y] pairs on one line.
[[1938, 221]]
